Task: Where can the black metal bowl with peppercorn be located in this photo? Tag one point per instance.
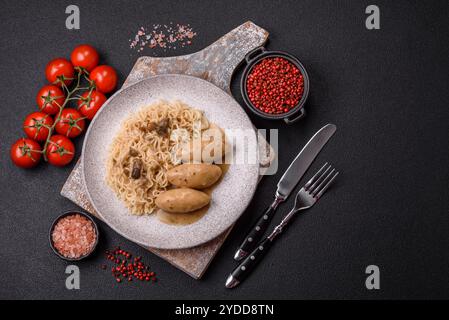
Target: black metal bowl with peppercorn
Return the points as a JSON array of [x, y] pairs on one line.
[[275, 85]]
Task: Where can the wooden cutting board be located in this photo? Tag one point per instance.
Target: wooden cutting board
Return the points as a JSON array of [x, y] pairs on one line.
[[216, 64]]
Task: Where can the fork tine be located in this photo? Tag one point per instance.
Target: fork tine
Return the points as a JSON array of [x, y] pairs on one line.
[[326, 186], [320, 178], [313, 179], [315, 190]]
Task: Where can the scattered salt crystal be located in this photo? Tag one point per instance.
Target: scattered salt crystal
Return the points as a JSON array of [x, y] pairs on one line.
[[165, 36]]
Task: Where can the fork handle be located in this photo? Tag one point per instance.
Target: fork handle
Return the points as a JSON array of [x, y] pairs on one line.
[[247, 266], [257, 231]]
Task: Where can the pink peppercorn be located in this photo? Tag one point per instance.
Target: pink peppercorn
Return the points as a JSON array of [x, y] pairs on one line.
[[275, 85]]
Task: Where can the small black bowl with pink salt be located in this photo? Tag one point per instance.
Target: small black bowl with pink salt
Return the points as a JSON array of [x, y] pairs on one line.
[[73, 236]]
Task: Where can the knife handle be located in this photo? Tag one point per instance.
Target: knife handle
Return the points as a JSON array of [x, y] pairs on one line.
[[257, 231], [247, 266]]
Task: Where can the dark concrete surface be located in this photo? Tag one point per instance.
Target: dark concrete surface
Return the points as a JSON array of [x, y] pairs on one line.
[[386, 90]]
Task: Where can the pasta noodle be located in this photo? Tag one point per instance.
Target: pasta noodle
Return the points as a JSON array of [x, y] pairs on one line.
[[144, 146]]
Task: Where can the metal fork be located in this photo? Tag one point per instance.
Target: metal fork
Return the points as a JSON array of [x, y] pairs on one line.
[[306, 198]]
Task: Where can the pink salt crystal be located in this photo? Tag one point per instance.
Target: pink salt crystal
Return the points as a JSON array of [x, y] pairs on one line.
[[74, 236], [162, 36]]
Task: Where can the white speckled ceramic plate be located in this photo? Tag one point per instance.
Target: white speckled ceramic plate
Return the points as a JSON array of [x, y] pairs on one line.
[[229, 198]]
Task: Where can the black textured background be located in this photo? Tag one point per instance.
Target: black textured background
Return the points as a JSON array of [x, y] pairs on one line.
[[386, 90]]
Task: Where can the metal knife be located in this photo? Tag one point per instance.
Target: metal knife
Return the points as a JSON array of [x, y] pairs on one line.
[[285, 186]]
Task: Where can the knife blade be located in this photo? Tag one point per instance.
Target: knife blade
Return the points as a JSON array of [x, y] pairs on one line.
[[285, 186], [303, 160]]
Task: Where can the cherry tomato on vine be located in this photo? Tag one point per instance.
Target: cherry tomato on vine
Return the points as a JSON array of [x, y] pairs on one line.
[[85, 56], [60, 150], [105, 78], [49, 97], [71, 124], [60, 68], [25, 153], [36, 125], [89, 105]]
